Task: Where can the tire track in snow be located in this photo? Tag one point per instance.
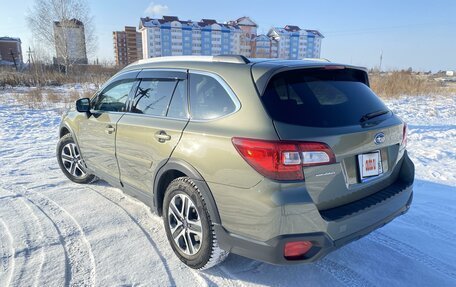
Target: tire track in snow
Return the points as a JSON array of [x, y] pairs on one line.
[[342, 273], [28, 247], [218, 277], [201, 278], [413, 253], [145, 232], [237, 281], [79, 261], [62, 243], [82, 235], [449, 211], [42, 254], [7, 256], [443, 233], [202, 281], [55, 254]]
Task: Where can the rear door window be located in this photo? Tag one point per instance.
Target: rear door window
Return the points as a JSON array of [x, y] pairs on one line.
[[178, 108], [320, 98], [153, 96], [208, 98]]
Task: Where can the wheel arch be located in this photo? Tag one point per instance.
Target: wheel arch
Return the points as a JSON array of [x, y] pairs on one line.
[[64, 130], [173, 169]]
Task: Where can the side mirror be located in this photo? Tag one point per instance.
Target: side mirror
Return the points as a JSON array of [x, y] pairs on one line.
[[83, 105]]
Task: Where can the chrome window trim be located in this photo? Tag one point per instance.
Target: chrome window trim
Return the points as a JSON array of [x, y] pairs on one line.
[[225, 86], [158, 70], [156, 117], [105, 112]]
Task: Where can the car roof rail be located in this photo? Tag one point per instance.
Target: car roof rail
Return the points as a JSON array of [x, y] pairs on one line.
[[238, 59], [316, 59], [232, 59]]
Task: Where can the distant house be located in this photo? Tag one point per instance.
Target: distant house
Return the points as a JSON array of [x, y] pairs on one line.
[[69, 40], [9, 48]]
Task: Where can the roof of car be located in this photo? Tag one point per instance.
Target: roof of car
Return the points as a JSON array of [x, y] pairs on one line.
[[260, 69], [233, 61]]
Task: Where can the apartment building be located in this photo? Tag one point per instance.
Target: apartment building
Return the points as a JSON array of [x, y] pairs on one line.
[[127, 46], [9, 48], [248, 35], [69, 40], [170, 36], [296, 43]]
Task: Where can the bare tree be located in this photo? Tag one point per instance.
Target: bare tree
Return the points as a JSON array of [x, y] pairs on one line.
[[66, 27]]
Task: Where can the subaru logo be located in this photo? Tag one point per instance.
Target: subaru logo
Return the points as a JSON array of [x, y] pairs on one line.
[[379, 138]]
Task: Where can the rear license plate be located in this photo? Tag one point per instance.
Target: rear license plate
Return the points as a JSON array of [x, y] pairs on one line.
[[370, 165]]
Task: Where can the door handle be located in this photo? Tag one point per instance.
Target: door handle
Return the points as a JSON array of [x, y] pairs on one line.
[[162, 136], [110, 129]]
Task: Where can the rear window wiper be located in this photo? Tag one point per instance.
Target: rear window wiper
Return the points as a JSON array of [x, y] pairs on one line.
[[372, 115]]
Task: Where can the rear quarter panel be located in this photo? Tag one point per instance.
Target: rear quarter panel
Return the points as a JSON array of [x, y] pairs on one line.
[[207, 145]]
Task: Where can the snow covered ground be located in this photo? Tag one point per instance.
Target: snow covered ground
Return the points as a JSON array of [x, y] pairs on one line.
[[57, 233]]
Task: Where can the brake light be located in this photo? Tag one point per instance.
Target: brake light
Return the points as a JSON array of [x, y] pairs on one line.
[[282, 160], [404, 136], [334, 67], [296, 250]]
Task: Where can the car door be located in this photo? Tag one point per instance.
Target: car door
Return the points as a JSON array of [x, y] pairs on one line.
[[97, 133], [149, 131]]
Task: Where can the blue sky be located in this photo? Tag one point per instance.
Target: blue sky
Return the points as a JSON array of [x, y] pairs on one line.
[[418, 34]]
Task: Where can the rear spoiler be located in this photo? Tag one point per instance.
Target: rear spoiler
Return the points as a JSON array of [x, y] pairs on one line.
[[262, 72]]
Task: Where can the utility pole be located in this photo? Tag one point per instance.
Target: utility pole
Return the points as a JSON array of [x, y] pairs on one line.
[[381, 60], [14, 58], [30, 56], [30, 61]]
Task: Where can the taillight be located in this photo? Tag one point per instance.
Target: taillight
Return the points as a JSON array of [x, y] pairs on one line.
[[314, 153], [283, 160], [404, 136]]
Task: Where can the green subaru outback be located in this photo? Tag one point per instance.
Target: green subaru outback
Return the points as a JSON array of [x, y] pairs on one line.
[[281, 161]]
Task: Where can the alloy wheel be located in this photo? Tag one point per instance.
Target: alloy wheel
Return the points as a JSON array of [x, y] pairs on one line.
[[185, 224], [72, 161]]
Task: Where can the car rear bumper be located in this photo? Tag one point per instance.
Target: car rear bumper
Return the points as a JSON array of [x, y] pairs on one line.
[[340, 226], [272, 250]]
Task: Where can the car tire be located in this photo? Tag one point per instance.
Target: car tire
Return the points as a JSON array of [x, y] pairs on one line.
[[198, 250], [70, 161]]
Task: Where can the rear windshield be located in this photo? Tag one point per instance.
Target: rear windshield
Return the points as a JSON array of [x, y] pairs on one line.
[[320, 98]]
